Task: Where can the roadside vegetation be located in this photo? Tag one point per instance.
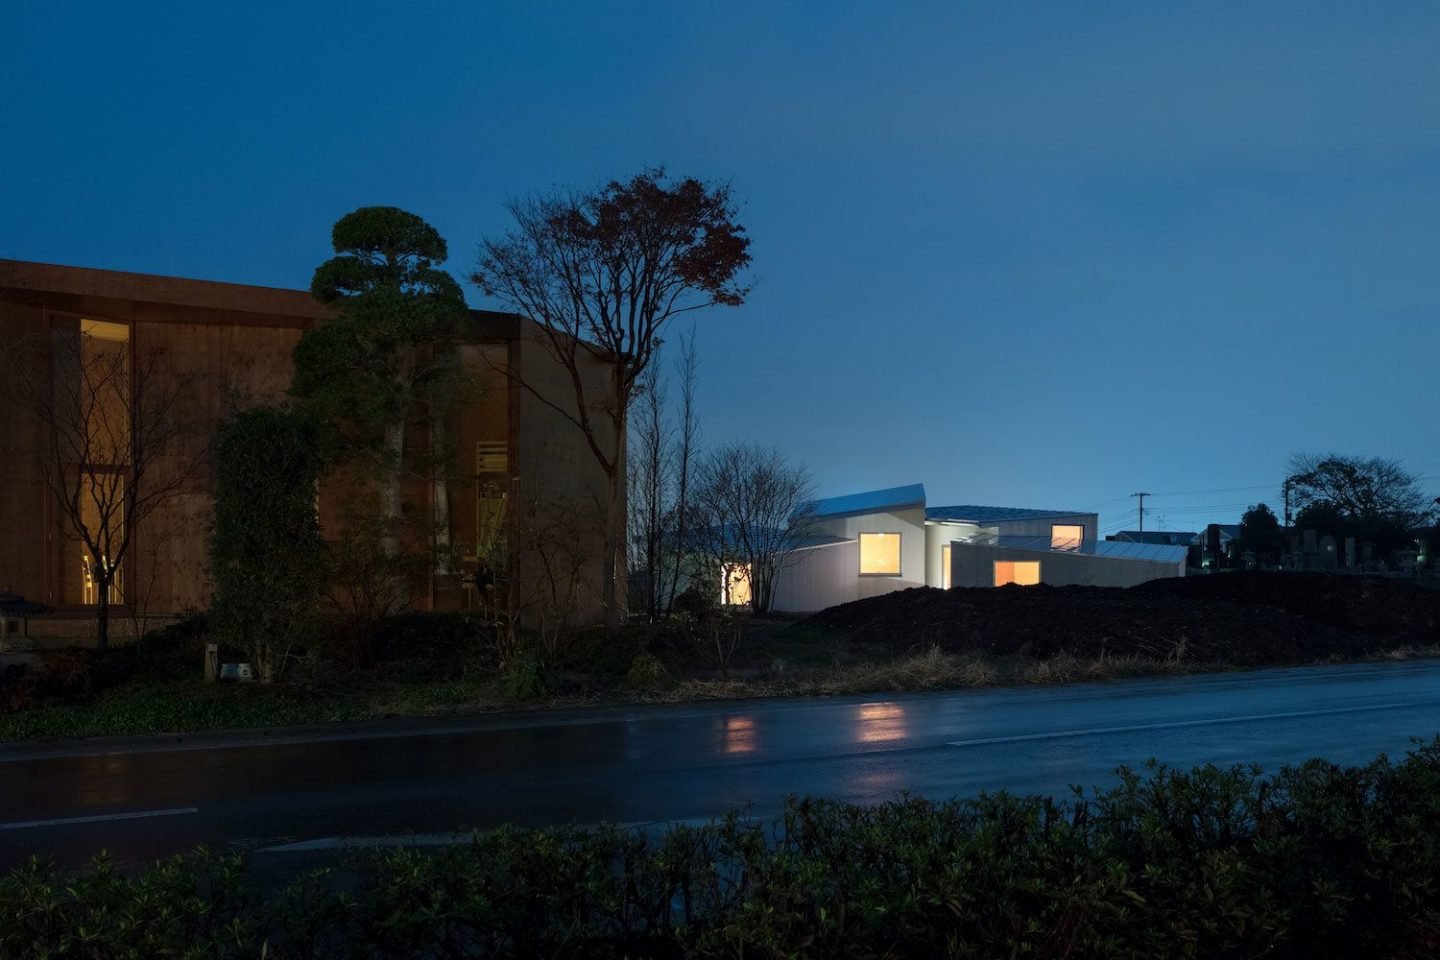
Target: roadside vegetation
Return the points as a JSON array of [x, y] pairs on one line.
[[916, 640], [1316, 861]]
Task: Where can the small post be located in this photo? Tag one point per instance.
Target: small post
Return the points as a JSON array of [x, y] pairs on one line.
[[212, 662]]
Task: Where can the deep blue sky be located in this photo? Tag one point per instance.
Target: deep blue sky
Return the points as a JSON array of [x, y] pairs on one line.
[[1028, 254]]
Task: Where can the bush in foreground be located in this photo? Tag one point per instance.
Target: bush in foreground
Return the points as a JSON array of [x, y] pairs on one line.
[[1316, 861]]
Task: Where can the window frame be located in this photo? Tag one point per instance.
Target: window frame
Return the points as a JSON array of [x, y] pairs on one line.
[[1078, 543], [899, 552]]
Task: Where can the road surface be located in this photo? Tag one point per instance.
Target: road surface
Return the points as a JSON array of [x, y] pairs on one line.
[[276, 793]]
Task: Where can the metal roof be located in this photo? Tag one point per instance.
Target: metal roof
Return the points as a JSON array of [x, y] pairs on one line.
[[1109, 549], [873, 501], [1156, 536], [972, 513]]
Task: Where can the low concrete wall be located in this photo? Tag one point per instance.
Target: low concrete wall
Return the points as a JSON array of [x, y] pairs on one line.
[[973, 565]]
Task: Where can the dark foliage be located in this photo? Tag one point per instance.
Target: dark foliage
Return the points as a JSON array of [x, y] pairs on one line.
[[79, 675], [1318, 861], [1244, 619], [266, 557], [1260, 532]]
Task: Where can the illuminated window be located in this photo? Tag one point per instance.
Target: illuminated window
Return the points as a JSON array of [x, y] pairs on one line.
[[490, 539], [734, 584], [880, 554], [1023, 572], [1065, 536], [102, 501], [945, 566]]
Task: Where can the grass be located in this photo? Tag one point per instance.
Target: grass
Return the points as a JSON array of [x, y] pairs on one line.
[[170, 699], [188, 706]]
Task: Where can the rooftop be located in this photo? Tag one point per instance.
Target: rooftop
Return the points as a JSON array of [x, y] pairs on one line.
[[972, 513], [86, 290], [873, 501], [1155, 536], [1111, 549]]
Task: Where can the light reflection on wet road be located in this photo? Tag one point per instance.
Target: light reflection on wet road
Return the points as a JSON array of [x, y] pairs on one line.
[[702, 760]]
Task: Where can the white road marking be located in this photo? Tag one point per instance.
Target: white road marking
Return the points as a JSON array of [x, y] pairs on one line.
[[1209, 722], [100, 818]]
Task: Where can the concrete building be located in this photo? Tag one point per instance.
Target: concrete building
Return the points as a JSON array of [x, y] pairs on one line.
[[884, 540], [518, 455]]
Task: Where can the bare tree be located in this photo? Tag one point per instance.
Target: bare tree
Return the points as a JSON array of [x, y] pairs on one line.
[[1362, 490], [530, 576], [649, 476], [752, 511], [117, 442], [687, 447], [601, 274]]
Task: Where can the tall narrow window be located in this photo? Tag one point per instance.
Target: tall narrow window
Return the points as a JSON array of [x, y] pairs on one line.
[[490, 540], [1024, 573], [92, 407], [1066, 536], [734, 584], [880, 554], [945, 566]]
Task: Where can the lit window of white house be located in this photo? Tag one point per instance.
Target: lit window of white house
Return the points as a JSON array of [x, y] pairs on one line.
[[1025, 573], [880, 554], [1065, 536], [734, 584], [945, 567]]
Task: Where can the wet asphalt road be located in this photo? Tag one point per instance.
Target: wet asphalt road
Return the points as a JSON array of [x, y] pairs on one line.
[[149, 798]]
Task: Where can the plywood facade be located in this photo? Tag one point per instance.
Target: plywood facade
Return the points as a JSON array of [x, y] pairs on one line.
[[230, 346]]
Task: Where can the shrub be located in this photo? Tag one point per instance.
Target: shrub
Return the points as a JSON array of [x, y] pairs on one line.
[[266, 555], [647, 673], [64, 678], [1318, 861], [523, 678]]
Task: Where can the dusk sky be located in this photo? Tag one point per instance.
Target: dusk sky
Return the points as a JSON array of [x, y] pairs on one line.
[[1027, 254]]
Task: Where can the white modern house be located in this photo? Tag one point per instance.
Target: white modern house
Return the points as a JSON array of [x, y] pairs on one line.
[[866, 544]]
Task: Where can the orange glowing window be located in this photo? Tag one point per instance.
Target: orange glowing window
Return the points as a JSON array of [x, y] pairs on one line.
[[735, 584], [1065, 536], [945, 567], [1023, 572], [880, 554]]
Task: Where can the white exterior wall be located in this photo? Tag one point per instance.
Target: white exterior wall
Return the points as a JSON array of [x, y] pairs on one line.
[[820, 577], [973, 565], [828, 575], [940, 534], [1041, 528]]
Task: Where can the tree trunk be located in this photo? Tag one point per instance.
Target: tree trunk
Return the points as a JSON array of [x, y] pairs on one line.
[[440, 496], [102, 616], [390, 495], [614, 539], [611, 596]]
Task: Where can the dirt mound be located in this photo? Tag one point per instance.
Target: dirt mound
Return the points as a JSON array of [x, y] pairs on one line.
[[1255, 619], [1376, 607]]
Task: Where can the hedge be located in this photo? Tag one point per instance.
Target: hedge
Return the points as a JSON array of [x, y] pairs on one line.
[[1315, 861]]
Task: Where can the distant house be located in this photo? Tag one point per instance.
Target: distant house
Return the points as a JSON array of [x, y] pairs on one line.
[[872, 543], [1183, 537], [513, 447]]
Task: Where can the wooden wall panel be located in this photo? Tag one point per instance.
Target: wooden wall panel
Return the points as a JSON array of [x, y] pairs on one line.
[[26, 557], [219, 369]]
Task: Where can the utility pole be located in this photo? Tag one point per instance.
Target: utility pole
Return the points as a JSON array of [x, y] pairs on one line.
[[1287, 500], [1141, 497]]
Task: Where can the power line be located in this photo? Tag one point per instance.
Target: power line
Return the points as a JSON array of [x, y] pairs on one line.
[[1193, 493]]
